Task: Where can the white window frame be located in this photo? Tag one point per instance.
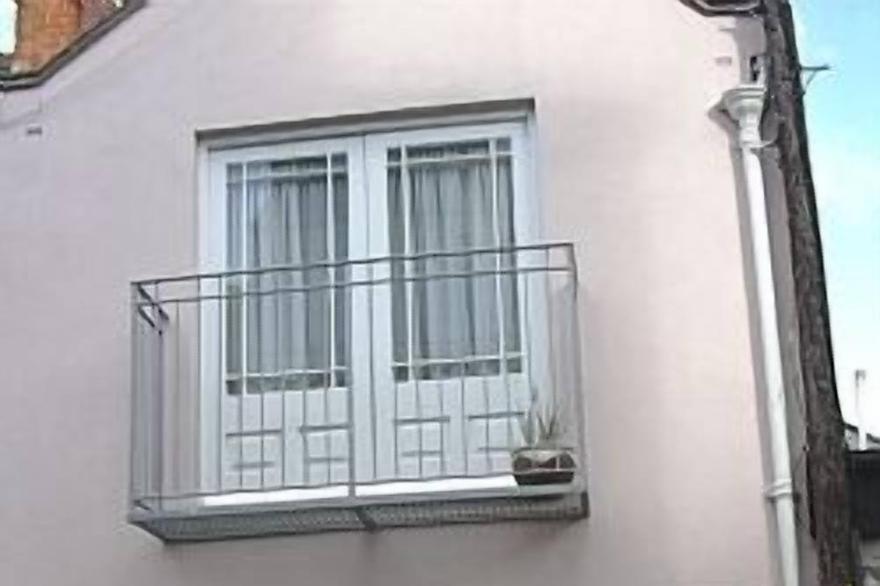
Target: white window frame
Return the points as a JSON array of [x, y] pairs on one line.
[[367, 199], [526, 230], [219, 416]]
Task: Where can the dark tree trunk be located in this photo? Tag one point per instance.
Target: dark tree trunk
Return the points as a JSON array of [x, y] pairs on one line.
[[826, 451]]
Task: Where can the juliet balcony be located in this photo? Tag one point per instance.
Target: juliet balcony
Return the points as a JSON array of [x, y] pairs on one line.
[[397, 391]]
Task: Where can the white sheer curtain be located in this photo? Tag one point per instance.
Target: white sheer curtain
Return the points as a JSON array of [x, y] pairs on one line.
[[454, 320], [285, 221]]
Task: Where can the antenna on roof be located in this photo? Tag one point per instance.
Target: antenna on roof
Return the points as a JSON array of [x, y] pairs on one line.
[[859, 377]]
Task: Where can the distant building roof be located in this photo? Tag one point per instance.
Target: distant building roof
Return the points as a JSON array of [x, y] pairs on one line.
[[852, 437]]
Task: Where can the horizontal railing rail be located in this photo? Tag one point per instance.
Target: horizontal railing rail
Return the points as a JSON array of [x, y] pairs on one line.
[[567, 247]]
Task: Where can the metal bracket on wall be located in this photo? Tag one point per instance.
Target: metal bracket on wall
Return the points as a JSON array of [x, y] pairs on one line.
[[810, 72]]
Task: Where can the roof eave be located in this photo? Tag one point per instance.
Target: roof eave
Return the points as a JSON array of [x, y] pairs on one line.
[[725, 7]]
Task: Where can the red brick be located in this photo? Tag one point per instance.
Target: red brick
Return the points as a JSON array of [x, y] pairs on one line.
[[46, 27]]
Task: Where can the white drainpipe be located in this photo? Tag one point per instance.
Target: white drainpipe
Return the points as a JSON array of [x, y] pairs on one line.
[[745, 104]]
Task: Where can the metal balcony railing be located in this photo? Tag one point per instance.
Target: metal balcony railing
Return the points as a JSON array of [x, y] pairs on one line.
[[358, 394]]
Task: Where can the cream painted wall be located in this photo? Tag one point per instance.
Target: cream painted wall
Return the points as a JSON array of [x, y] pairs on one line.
[[97, 187]]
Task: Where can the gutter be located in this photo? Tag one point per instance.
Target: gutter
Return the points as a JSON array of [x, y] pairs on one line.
[[745, 105], [725, 7]]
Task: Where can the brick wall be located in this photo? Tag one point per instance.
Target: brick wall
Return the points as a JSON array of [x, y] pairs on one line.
[[46, 27], [94, 11]]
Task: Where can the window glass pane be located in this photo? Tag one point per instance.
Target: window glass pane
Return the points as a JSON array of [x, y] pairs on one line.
[[233, 173], [452, 204], [507, 281], [448, 151], [338, 162], [342, 305], [398, 247], [232, 287], [288, 328]]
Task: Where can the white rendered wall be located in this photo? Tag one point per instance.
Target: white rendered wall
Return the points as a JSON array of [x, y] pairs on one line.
[[97, 186]]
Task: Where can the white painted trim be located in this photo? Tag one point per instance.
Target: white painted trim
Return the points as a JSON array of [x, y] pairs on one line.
[[527, 229], [367, 200], [217, 408]]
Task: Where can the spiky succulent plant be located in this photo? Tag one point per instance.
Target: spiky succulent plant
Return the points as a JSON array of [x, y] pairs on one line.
[[542, 426]]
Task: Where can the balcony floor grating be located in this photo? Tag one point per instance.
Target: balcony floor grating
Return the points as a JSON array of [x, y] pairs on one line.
[[210, 525]]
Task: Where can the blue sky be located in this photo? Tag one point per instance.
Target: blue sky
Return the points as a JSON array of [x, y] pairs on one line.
[[843, 118], [7, 17]]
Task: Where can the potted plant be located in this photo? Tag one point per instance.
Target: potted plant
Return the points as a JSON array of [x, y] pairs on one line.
[[543, 459]]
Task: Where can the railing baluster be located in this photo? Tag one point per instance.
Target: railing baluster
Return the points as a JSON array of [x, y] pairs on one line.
[[282, 386], [349, 408], [442, 391], [134, 489], [484, 384], [306, 462], [330, 236], [526, 340], [396, 438], [220, 391], [462, 372], [160, 403], [411, 317], [577, 374], [245, 320], [374, 418], [551, 353], [197, 407], [176, 401], [259, 330]]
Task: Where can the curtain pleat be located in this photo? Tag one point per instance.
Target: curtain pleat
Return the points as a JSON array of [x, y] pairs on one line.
[[289, 333], [454, 318]]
